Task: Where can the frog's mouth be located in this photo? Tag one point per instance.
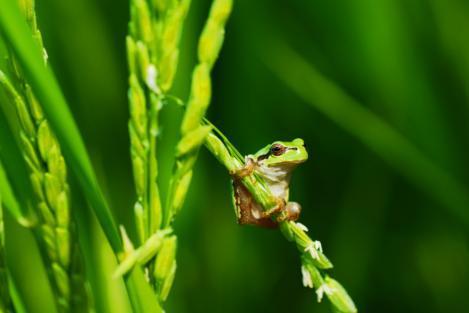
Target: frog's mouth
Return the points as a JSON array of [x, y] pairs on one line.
[[291, 162]]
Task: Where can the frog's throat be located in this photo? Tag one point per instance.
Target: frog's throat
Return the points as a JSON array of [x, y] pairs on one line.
[[278, 170], [277, 179]]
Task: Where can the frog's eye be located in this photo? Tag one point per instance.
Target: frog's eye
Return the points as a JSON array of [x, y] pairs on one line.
[[277, 149]]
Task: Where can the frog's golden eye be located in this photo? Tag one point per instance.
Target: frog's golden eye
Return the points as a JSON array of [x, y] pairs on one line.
[[277, 149]]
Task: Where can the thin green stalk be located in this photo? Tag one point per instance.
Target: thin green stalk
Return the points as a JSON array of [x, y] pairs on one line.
[[313, 260]]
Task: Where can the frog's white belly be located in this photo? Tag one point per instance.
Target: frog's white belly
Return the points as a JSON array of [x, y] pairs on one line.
[[279, 190], [277, 178]]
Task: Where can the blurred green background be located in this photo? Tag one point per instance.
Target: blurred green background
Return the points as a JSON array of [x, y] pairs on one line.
[[396, 233]]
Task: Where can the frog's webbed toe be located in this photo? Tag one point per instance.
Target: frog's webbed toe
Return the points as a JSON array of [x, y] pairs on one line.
[[294, 210]]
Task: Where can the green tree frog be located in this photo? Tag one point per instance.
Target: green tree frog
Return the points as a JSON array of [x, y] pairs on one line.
[[274, 163]]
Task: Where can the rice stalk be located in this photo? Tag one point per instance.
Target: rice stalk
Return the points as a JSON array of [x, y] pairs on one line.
[[152, 52], [152, 47], [193, 133], [313, 260], [48, 177], [192, 136]]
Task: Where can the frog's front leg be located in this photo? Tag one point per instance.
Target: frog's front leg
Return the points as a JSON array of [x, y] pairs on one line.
[[277, 209], [246, 170]]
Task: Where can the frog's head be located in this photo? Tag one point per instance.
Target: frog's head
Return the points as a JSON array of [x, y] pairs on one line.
[[283, 153]]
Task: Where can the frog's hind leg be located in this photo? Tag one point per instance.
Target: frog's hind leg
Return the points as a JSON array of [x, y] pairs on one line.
[[248, 211]]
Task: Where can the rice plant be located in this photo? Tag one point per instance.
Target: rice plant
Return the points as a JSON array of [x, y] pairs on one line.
[[152, 47], [86, 227], [48, 176]]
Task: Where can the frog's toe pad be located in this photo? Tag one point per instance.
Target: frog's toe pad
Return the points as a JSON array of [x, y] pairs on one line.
[[293, 210]]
